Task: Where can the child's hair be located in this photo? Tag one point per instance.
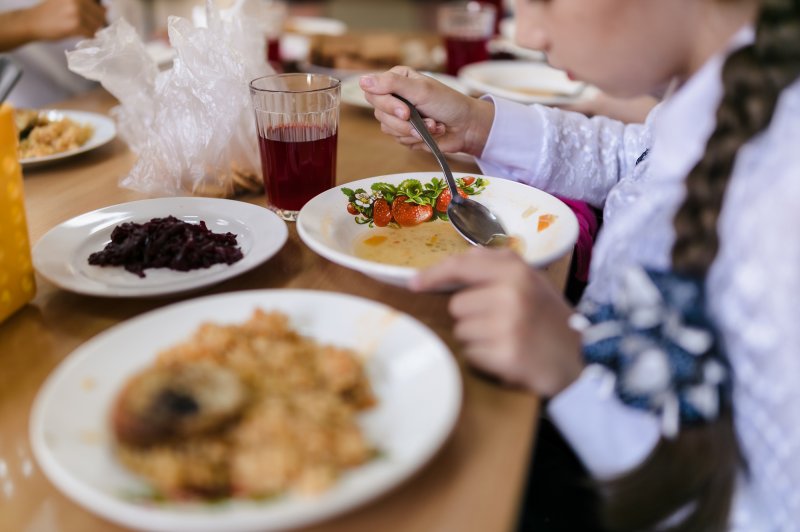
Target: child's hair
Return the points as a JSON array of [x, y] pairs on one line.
[[695, 473]]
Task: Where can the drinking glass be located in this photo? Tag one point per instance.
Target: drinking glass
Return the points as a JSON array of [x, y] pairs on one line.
[[466, 28], [297, 119]]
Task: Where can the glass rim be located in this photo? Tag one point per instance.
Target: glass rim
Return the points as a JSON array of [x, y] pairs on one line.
[[335, 82]]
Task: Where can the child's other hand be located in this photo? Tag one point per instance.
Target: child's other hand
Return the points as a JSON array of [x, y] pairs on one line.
[[512, 321]]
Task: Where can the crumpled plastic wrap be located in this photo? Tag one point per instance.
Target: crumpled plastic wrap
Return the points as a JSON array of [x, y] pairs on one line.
[[192, 126]]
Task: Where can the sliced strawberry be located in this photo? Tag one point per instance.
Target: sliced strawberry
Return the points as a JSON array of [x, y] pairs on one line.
[[408, 214], [351, 209], [381, 212], [468, 181], [444, 199]]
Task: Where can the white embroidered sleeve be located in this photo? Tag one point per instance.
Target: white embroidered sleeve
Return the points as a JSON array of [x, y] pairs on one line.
[[561, 152]]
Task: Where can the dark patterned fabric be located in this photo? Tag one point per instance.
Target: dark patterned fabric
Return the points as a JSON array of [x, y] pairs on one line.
[[659, 349]]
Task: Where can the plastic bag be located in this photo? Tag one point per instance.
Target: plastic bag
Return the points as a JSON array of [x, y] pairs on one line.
[[191, 126]]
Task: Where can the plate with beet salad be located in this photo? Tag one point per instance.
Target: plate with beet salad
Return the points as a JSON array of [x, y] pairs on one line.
[[158, 247]]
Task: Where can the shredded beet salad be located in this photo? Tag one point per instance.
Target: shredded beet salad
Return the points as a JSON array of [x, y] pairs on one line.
[[166, 243]]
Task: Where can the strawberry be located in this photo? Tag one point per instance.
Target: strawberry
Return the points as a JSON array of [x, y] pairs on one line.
[[381, 212], [444, 199], [468, 181], [408, 214], [351, 209]]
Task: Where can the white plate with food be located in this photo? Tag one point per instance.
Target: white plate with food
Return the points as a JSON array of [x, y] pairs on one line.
[[364, 225], [523, 81], [353, 95], [62, 254], [412, 378], [52, 135]]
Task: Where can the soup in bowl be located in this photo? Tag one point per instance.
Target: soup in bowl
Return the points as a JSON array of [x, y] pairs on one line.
[[389, 227]]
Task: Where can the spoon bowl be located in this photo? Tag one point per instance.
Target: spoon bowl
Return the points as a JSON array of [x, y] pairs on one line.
[[477, 224]]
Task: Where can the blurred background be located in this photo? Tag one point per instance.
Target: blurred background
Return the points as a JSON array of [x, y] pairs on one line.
[[400, 15]]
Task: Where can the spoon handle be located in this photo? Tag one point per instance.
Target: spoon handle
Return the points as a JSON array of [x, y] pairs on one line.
[[427, 138]]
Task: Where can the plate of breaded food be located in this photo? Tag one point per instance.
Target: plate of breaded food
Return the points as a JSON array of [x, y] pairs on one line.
[[51, 135], [254, 410]]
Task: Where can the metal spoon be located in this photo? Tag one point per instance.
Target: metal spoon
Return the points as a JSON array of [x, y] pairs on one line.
[[477, 224]]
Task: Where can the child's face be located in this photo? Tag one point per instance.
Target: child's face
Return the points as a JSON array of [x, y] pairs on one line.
[[625, 47]]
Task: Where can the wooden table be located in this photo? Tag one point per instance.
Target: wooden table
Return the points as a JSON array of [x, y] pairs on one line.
[[473, 484]]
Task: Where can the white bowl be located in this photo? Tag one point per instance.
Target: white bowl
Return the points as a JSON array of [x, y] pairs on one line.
[[326, 227], [524, 82]]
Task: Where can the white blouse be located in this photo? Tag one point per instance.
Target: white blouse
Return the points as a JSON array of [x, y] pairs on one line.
[[753, 287]]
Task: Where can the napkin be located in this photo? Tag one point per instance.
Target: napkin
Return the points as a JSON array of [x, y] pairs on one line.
[[192, 126]]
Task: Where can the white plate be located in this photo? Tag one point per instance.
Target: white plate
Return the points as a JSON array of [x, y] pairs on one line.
[[61, 255], [104, 132], [353, 95], [517, 80], [413, 374], [326, 227]]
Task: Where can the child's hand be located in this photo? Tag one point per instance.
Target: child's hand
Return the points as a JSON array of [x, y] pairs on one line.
[[459, 122], [511, 320]]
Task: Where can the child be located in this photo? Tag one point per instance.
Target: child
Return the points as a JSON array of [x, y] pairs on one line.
[[695, 271]]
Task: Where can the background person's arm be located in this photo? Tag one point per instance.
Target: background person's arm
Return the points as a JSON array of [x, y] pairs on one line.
[[50, 20]]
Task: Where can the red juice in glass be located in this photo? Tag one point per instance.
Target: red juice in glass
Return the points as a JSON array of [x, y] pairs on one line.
[[272, 50], [463, 51], [298, 162], [466, 29], [297, 119]]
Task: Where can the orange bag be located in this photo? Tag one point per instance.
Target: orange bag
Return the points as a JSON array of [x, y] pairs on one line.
[[17, 285]]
